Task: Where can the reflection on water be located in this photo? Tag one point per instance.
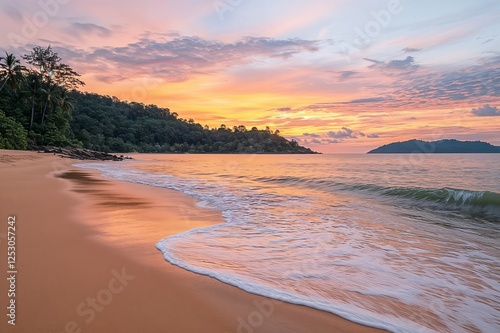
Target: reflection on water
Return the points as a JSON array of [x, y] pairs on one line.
[[368, 237]]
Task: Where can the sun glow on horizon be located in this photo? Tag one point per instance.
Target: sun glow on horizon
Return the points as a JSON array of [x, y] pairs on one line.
[[313, 70]]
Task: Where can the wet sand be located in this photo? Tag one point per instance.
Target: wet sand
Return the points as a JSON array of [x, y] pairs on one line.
[[86, 261]]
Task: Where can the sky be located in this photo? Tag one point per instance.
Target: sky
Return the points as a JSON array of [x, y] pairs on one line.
[[338, 76]]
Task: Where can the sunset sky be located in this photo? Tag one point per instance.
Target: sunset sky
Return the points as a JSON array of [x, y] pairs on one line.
[[336, 75]]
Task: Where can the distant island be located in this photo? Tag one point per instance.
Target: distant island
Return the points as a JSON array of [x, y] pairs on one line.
[[437, 147]]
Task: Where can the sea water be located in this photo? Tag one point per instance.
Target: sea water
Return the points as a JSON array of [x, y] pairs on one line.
[[409, 243]]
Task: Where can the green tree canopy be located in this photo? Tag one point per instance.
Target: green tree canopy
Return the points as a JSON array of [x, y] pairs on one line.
[[41, 106], [12, 134], [11, 72]]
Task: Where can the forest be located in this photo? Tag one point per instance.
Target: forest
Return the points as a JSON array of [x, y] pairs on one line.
[[40, 105]]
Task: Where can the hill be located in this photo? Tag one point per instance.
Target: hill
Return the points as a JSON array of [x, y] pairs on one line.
[[436, 147], [40, 105], [108, 124]]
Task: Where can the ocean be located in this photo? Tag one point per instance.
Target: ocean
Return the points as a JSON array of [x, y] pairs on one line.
[[409, 243]]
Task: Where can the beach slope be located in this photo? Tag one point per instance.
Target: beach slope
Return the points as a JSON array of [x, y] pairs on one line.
[[86, 261]]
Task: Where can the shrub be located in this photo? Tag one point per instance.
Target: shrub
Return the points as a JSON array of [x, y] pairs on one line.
[[12, 134]]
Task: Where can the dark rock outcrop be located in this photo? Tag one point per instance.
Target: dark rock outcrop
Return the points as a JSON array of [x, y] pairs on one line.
[[80, 153]]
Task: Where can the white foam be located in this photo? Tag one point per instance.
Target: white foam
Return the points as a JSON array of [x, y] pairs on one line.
[[368, 263]]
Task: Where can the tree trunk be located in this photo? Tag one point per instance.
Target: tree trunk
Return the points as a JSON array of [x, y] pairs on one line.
[[32, 111], [4, 83], [43, 113]]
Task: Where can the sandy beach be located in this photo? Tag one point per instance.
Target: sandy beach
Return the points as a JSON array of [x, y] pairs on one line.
[[86, 260]]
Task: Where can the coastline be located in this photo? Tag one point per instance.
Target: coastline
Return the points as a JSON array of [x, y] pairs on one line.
[[87, 260]]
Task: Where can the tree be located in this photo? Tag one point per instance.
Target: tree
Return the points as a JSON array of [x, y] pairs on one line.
[[47, 64], [66, 102], [33, 91], [12, 134], [67, 117], [11, 71], [64, 76], [51, 96], [44, 61], [50, 81]]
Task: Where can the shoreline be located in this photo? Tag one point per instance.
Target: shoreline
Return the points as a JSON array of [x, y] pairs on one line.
[[85, 237]]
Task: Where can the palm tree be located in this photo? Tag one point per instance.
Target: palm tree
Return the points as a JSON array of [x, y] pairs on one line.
[[52, 99], [66, 103], [12, 71], [33, 92]]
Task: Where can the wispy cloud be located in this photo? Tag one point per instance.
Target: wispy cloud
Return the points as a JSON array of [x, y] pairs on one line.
[[345, 75], [400, 65], [181, 57], [432, 60], [366, 100], [12, 12], [465, 84], [84, 29], [343, 133], [312, 135], [411, 50]]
